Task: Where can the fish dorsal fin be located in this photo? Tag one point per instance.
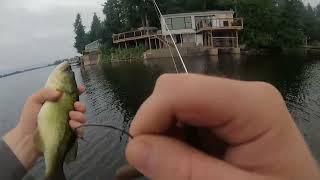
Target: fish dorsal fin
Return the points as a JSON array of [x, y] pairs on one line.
[[38, 141], [72, 154]]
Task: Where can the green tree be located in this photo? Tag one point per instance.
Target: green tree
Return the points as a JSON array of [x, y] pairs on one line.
[[311, 25], [80, 38], [113, 22], [260, 21], [317, 10], [96, 29], [290, 27], [268, 23]]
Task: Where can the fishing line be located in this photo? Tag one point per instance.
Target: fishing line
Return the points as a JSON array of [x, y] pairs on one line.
[[173, 59], [106, 126], [175, 45], [182, 62]]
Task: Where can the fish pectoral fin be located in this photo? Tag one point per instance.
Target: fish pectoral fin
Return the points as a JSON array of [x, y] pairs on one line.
[[72, 154], [38, 141]]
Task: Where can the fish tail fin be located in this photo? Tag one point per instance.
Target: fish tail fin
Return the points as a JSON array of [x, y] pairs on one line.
[[58, 175]]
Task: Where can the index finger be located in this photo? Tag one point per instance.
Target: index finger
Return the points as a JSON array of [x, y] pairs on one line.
[[81, 89], [44, 95], [236, 111]]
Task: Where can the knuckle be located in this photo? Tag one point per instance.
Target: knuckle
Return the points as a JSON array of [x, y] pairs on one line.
[[173, 84], [164, 79], [269, 92], [165, 82]]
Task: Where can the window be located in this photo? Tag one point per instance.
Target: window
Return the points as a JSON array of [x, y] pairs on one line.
[[188, 22], [169, 23], [179, 23], [225, 23]]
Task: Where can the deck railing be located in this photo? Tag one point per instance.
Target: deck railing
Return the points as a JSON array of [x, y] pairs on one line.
[[219, 23], [132, 35]]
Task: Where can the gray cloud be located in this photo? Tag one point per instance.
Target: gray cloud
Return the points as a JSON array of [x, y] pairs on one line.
[[312, 2], [38, 33]]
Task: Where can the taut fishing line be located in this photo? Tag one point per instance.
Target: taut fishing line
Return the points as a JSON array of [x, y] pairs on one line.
[[174, 43], [182, 62], [105, 126]]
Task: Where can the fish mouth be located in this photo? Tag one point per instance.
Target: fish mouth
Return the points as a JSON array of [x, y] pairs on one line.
[[64, 67]]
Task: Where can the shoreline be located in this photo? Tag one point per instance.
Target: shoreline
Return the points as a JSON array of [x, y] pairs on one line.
[[25, 70]]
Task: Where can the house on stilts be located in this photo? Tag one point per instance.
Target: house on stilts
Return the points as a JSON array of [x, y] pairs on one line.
[[211, 32]]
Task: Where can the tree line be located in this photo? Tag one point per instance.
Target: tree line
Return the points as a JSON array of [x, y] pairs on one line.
[[82, 37], [271, 24]]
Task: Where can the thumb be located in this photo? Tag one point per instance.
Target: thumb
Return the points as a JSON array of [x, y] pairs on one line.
[[44, 95], [159, 157]]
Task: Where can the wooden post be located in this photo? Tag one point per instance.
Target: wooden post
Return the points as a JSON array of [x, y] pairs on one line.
[[136, 43], [195, 39], [168, 41], [211, 38], [207, 38], [156, 43], [125, 43], [237, 39]]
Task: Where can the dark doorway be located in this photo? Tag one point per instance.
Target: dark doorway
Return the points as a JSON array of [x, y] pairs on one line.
[[178, 37]]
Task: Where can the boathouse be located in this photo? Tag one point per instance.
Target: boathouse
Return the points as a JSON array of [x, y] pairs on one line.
[[91, 54], [213, 31]]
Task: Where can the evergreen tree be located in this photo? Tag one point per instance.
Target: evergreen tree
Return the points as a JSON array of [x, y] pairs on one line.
[[80, 38], [267, 23], [290, 26], [96, 29], [317, 10]]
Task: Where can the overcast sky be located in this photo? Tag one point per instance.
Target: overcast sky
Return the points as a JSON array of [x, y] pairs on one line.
[[34, 32], [312, 2]]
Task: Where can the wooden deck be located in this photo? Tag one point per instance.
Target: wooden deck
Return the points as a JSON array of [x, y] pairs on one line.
[[202, 26], [219, 24], [134, 35]]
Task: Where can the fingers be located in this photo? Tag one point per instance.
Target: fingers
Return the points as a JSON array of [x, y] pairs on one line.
[[75, 125], [44, 95], [80, 107], [81, 89], [47, 94], [77, 116], [226, 106], [151, 156]]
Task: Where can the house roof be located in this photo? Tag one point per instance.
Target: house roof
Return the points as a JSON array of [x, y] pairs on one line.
[[205, 13]]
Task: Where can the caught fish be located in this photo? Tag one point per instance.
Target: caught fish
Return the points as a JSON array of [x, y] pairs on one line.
[[54, 136]]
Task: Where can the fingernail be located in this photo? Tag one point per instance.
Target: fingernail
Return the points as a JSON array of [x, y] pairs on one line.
[[141, 157]]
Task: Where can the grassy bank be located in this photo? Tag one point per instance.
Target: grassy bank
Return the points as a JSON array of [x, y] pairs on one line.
[[114, 54]]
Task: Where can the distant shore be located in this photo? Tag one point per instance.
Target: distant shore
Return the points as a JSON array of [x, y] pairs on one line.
[[25, 70]]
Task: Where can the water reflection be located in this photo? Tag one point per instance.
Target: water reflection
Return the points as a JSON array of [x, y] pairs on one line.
[[115, 92]]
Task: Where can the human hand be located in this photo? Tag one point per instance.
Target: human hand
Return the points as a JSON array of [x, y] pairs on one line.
[[20, 139], [251, 118]]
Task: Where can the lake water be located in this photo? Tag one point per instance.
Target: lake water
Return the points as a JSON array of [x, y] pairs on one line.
[[115, 92]]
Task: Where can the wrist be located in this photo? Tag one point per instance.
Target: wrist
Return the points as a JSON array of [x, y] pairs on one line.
[[23, 147]]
